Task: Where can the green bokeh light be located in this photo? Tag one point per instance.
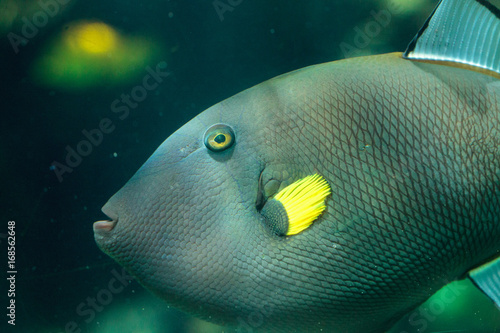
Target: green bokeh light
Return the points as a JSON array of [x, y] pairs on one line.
[[457, 307], [92, 55]]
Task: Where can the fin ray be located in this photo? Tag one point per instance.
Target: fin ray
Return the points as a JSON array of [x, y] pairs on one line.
[[487, 279], [462, 31], [297, 206]]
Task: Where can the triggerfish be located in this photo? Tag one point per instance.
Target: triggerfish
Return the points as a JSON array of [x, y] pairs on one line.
[[335, 198]]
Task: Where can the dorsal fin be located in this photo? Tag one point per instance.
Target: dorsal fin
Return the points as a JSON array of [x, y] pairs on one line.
[[460, 31]]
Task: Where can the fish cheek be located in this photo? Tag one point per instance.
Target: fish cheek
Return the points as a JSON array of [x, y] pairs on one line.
[[274, 178]]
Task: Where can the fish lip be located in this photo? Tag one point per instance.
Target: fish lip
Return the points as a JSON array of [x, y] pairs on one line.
[[106, 209], [106, 225]]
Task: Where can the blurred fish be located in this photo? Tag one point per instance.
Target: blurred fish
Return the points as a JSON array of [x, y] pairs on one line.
[[335, 198]]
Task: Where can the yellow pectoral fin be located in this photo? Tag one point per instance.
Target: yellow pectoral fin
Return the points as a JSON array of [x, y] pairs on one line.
[[297, 206]]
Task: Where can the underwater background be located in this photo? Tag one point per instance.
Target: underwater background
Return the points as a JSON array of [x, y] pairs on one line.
[[89, 89]]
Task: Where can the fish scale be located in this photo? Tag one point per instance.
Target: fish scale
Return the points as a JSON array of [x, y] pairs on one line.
[[408, 147]]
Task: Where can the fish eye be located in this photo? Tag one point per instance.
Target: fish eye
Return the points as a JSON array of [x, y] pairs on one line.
[[219, 137]]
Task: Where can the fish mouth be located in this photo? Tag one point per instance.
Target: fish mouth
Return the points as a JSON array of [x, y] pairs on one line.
[[106, 225]]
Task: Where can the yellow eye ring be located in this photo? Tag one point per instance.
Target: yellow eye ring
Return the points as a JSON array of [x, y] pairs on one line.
[[219, 137]]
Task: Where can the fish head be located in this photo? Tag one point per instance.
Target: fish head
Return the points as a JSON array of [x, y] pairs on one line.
[[188, 224]]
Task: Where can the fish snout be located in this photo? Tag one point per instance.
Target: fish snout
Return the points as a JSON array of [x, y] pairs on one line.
[[106, 225]]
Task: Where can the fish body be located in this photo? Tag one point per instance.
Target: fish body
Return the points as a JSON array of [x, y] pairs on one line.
[[411, 152]]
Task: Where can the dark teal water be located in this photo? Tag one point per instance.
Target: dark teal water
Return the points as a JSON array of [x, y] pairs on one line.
[[210, 55]]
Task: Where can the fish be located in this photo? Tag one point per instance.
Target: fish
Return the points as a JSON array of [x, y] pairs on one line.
[[334, 198]]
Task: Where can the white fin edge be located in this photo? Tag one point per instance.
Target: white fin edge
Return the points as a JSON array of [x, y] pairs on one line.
[[462, 31]]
